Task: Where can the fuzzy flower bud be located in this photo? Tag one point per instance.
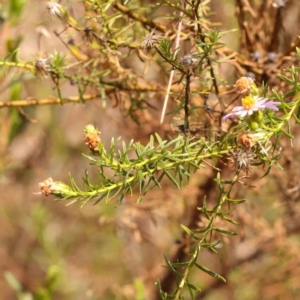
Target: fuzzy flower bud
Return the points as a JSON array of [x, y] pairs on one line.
[[92, 137], [50, 187]]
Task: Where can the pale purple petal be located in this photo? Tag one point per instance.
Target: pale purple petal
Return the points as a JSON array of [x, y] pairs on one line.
[[238, 108], [225, 118], [260, 104], [271, 105], [261, 100], [243, 113]]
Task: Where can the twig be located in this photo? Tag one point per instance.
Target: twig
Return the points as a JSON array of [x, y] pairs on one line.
[[137, 17], [48, 101], [163, 112]]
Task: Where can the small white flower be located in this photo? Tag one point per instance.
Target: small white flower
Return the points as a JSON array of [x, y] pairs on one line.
[[251, 104], [54, 9]]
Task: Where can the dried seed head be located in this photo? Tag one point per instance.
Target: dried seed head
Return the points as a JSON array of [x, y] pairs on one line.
[[272, 56], [42, 67], [250, 75], [46, 186], [279, 3], [242, 159], [150, 40], [50, 187], [245, 140], [189, 61], [54, 9], [92, 137], [256, 55], [243, 85]]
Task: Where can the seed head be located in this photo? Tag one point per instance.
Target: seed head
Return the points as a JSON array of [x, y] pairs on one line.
[[54, 9], [92, 137], [150, 40], [250, 75], [245, 140], [256, 55], [189, 61], [272, 56], [45, 186], [50, 187], [242, 159], [42, 67], [279, 3], [243, 85]]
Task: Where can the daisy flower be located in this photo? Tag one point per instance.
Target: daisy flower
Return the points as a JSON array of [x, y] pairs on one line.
[[251, 104]]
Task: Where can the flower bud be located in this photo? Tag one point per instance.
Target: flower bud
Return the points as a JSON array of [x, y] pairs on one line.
[[50, 187], [92, 137]]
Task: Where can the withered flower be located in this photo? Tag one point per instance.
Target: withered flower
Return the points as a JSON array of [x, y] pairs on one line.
[[189, 62], [150, 40], [242, 159], [92, 137], [42, 67], [50, 187], [46, 186], [243, 85], [54, 9]]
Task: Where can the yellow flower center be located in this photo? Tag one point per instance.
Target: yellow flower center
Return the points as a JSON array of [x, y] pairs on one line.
[[248, 102]]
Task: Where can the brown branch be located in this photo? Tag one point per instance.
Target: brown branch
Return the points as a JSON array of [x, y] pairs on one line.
[[47, 101], [137, 17]]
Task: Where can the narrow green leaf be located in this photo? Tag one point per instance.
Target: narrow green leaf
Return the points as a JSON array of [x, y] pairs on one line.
[[211, 273], [171, 178], [229, 220], [73, 184], [100, 198], [287, 80], [225, 231], [235, 201], [169, 265], [215, 251], [189, 232]]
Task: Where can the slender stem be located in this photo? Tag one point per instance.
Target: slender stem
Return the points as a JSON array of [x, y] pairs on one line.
[[48, 101], [123, 9], [17, 64], [222, 199], [187, 101], [114, 165], [163, 112]]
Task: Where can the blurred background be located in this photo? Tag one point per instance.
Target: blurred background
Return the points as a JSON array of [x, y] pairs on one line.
[[52, 251]]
